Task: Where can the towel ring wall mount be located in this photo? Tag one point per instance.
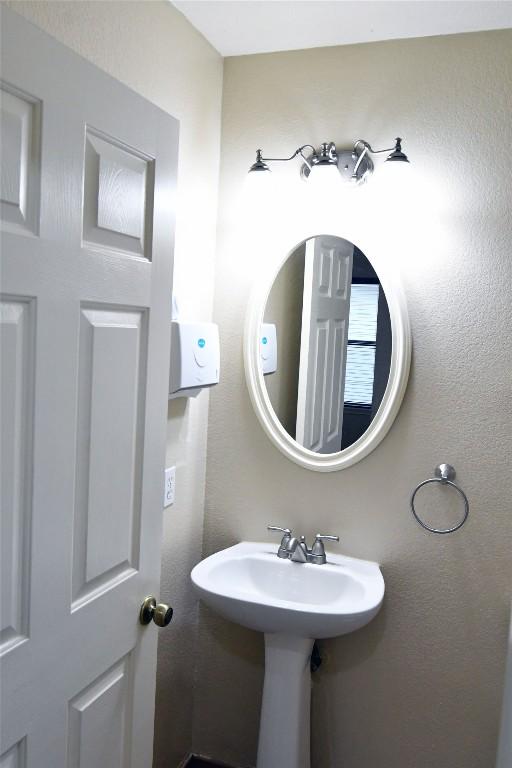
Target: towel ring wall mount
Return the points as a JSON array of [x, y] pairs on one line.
[[444, 474]]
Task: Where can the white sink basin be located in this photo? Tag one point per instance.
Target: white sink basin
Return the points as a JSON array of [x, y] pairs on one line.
[[293, 604], [250, 585]]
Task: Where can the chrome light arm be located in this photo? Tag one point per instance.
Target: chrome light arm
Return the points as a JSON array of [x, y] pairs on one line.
[[368, 147], [261, 162], [298, 151], [396, 152]]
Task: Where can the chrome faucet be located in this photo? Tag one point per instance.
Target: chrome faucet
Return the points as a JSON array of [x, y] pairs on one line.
[[300, 552], [297, 550]]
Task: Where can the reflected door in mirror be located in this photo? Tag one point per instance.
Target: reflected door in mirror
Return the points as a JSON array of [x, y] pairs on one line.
[[323, 347]]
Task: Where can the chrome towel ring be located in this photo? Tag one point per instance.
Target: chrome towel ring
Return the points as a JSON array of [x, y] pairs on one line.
[[444, 474]]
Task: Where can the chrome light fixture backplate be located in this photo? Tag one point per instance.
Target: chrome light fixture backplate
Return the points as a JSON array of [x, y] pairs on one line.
[[347, 160]]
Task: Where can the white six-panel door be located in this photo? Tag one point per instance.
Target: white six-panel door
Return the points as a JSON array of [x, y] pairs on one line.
[[87, 216], [323, 347]]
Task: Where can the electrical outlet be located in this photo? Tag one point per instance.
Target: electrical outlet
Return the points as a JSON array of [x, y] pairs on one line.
[[169, 486]]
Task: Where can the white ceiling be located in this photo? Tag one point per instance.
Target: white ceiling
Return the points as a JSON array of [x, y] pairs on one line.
[[236, 27]]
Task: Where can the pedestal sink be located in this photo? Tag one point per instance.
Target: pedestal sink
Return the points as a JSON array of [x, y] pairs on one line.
[[292, 604]]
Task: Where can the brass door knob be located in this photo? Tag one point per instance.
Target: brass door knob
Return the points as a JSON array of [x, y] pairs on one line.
[[159, 612]]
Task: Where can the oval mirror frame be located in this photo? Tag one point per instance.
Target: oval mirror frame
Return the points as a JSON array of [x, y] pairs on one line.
[[401, 346]]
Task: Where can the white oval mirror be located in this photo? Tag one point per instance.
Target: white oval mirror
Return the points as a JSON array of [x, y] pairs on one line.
[[327, 354]]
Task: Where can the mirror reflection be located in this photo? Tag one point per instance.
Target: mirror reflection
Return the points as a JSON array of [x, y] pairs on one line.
[[325, 344]]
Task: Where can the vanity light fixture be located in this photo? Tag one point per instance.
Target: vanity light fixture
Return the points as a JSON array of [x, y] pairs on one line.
[[354, 165]]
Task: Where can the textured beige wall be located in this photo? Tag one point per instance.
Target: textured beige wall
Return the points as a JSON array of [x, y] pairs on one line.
[[421, 685], [151, 47], [284, 309]]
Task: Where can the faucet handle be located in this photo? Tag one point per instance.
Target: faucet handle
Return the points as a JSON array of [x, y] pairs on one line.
[[285, 541], [286, 531], [318, 550]]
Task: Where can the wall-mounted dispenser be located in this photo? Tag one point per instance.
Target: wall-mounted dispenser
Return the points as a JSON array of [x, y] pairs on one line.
[[268, 348], [195, 358]]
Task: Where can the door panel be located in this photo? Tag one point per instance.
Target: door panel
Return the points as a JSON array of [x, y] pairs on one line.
[[99, 721], [118, 195], [87, 220], [325, 316], [20, 127], [17, 318], [111, 395], [14, 757]]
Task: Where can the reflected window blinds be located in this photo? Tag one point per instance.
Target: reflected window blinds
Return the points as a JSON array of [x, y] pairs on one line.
[[362, 337]]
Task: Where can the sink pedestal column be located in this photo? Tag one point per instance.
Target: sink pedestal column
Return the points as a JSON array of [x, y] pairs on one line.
[[284, 738]]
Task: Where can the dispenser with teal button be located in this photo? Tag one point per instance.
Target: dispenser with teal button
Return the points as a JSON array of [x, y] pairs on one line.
[[268, 348], [195, 358]]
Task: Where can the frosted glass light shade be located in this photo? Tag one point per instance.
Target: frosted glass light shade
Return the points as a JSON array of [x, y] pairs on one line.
[[325, 178]]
